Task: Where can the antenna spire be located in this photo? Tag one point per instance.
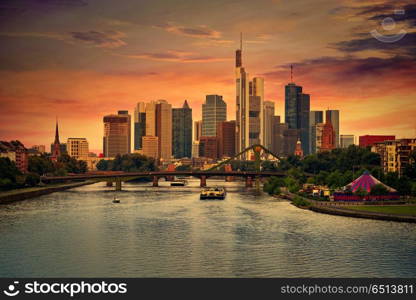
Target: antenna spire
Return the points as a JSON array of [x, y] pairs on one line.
[[291, 73]]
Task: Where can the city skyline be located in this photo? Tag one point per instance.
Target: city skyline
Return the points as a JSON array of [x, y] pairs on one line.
[[81, 71]]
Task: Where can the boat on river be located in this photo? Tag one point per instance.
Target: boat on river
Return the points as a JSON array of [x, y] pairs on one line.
[[218, 193]]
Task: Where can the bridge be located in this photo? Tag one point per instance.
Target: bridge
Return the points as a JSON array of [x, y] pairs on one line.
[[258, 151], [202, 175]]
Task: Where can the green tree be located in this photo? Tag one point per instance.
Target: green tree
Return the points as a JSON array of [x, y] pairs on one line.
[[378, 190], [32, 179], [360, 192], [41, 165]]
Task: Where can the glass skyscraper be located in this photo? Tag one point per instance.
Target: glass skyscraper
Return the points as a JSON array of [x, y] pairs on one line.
[[182, 131], [297, 108], [214, 110]]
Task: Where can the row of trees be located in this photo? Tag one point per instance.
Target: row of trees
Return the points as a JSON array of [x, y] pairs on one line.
[[339, 167], [11, 177], [128, 163]]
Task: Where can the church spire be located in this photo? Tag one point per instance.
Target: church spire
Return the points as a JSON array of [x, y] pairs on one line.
[[56, 133]]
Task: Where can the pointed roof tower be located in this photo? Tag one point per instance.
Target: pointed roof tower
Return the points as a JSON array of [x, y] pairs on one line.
[[56, 133], [185, 104]]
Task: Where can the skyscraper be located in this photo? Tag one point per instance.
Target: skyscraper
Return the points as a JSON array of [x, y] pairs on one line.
[[164, 128], [334, 116], [208, 147], [150, 146], [182, 131], [116, 134], [214, 110], [268, 114], [126, 113], [255, 121], [328, 134], [150, 110], [242, 105], [256, 95], [197, 130], [139, 124], [315, 117], [297, 108], [278, 135], [226, 139]]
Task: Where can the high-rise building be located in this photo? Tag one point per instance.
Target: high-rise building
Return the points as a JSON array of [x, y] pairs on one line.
[[256, 111], [150, 110], [78, 148], [334, 116], [164, 128], [297, 108], [370, 140], [197, 130], [315, 117], [268, 114], [242, 102], [255, 121], [208, 147], [226, 139], [346, 140], [117, 129], [150, 146], [214, 110], [290, 139], [139, 124], [182, 131], [195, 149], [278, 137]]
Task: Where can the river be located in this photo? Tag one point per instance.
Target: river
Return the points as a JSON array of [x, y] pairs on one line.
[[169, 232]]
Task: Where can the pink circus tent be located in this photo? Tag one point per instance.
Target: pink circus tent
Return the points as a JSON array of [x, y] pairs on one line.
[[366, 181]]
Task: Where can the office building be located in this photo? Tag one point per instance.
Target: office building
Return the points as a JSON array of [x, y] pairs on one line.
[[208, 147], [164, 129], [197, 130], [226, 139], [150, 146], [195, 149], [255, 121], [297, 109], [334, 116], [117, 129], [139, 124], [278, 130], [78, 148], [182, 131], [290, 139], [346, 140], [327, 134], [315, 117], [214, 110], [268, 114]]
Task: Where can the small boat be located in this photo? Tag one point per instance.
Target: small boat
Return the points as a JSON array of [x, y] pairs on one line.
[[179, 182], [115, 200], [213, 193]]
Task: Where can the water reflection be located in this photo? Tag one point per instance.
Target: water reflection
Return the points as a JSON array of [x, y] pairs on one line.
[[169, 232]]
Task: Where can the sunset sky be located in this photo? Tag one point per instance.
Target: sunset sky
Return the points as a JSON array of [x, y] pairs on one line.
[[81, 59]]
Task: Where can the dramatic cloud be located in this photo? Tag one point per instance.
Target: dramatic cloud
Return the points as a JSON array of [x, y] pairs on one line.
[[104, 39], [199, 31], [177, 56]]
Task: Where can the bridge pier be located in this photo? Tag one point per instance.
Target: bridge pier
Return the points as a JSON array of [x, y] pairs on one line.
[[203, 182], [118, 185], [109, 183], [155, 181], [249, 181]]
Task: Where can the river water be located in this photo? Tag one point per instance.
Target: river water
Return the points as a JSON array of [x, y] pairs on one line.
[[169, 232]]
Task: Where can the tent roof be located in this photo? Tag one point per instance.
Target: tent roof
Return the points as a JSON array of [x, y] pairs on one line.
[[366, 181]]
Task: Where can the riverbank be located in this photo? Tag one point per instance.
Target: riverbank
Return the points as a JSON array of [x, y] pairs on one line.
[[397, 213], [27, 193]]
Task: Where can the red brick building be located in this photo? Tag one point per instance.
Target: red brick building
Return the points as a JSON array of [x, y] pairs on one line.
[[226, 138], [370, 140], [208, 147], [328, 135]]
